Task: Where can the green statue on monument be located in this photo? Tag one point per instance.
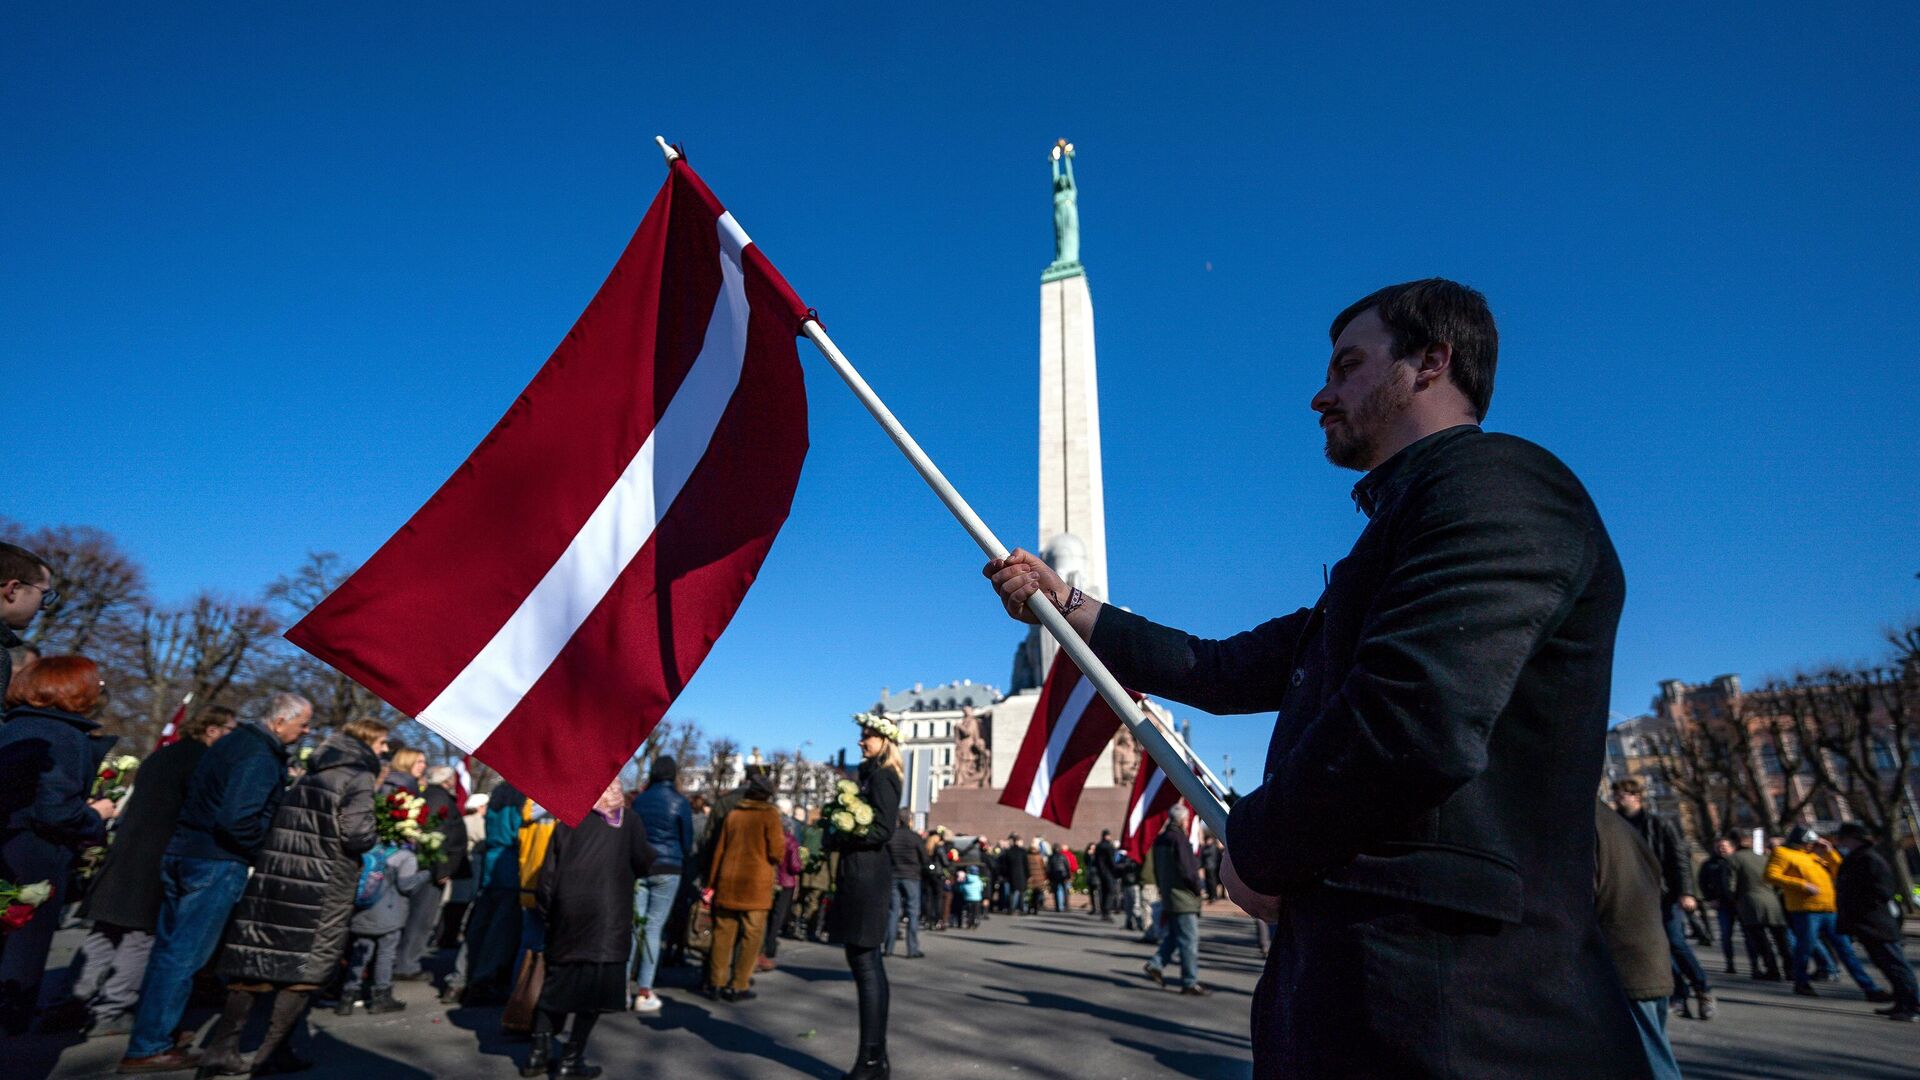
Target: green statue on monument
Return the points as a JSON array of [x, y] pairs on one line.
[[1066, 216]]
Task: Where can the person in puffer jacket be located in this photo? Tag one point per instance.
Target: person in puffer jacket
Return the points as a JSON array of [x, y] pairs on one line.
[[289, 930], [376, 936]]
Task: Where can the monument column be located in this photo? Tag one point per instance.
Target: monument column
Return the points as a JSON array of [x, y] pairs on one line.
[[1073, 516]]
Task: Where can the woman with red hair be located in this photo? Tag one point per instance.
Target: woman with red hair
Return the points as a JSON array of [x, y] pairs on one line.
[[48, 760]]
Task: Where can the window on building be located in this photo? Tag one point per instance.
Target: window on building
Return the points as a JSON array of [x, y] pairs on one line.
[[1770, 760], [1883, 755]]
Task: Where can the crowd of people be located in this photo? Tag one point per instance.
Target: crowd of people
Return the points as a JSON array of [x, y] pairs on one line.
[[250, 874], [282, 880]]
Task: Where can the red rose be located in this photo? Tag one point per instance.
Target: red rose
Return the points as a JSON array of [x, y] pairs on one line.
[[108, 774], [16, 916], [441, 813], [399, 815]]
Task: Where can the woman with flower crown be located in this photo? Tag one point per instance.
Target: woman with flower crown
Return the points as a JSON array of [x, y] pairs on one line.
[[858, 822]]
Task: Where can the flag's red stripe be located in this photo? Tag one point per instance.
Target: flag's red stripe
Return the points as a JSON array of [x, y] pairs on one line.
[[501, 521], [1033, 745], [1095, 730], [613, 682]]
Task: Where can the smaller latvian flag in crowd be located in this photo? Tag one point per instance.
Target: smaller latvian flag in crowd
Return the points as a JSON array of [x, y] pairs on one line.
[[1147, 809], [1071, 724], [171, 733], [551, 600]]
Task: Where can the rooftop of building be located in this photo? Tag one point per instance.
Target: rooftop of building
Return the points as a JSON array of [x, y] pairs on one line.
[[965, 694]]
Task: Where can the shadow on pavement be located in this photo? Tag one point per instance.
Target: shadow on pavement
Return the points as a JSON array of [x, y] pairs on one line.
[[1126, 1018], [724, 1034], [1191, 1063]]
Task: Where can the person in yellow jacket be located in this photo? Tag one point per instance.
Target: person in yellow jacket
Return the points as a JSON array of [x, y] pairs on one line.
[[1802, 869]]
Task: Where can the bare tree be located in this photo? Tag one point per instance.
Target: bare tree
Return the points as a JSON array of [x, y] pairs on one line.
[[721, 753], [201, 649]]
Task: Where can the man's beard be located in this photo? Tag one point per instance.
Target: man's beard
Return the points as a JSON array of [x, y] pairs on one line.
[[1353, 440]]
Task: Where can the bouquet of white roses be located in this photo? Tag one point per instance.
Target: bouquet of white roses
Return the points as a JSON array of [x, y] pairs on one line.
[[847, 812], [114, 777]]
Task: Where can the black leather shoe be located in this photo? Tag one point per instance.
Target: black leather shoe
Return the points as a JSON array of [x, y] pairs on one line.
[[873, 1065], [538, 1057]]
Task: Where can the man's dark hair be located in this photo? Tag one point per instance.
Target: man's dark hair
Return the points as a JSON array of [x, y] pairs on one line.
[[1632, 785], [212, 716], [19, 564], [1422, 313]]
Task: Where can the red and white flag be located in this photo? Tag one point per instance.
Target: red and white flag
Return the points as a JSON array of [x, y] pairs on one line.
[[1071, 724], [549, 602], [1147, 808], [171, 733]]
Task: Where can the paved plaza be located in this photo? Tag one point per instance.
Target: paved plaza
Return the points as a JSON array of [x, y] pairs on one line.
[[1047, 996]]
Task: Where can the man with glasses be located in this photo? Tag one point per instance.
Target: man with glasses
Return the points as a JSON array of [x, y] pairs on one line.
[[26, 586]]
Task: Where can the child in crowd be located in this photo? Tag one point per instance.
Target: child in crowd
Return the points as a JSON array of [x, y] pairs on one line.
[[376, 928], [972, 891]]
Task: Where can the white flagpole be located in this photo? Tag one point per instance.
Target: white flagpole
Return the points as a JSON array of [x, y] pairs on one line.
[[1172, 762]]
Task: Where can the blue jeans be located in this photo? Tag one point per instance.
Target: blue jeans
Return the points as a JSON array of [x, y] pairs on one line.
[[1687, 971], [652, 902], [1059, 896], [1183, 934], [906, 897], [1811, 927], [1650, 1019], [197, 895]]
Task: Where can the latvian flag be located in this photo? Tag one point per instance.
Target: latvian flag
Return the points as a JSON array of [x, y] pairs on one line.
[[549, 602], [171, 733], [1071, 724], [1147, 808]]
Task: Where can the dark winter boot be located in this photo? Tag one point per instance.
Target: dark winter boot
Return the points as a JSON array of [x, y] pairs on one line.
[[275, 1056], [381, 1001], [871, 1065], [537, 1058], [574, 1063], [349, 995]]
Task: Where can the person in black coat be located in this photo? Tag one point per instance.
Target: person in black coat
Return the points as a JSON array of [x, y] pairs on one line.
[[48, 761], [1425, 808], [585, 891], [1101, 876], [1866, 893], [124, 900], [858, 918]]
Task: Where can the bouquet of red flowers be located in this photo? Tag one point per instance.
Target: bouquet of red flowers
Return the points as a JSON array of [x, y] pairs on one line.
[[18, 903], [398, 818]]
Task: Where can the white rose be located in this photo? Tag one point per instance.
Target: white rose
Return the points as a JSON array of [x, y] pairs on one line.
[[35, 894]]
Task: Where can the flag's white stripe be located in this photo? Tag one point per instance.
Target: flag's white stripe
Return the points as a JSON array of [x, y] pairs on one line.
[[1070, 714], [495, 680], [1138, 814]]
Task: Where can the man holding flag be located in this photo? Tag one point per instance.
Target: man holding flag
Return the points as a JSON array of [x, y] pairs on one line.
[[1422, 835]]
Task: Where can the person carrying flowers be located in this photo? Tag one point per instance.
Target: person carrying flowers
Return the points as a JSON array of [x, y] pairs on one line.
[[858, 822]]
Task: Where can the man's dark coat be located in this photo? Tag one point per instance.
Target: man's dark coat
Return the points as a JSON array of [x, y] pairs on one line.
[[1676, 868], [126, 891], [1864, 889], [1427, 804]]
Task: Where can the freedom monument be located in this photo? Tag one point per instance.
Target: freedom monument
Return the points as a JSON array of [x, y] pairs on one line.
[[959, 739]]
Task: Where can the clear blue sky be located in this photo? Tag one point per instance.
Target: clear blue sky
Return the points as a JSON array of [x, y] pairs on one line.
[[269, 277]]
